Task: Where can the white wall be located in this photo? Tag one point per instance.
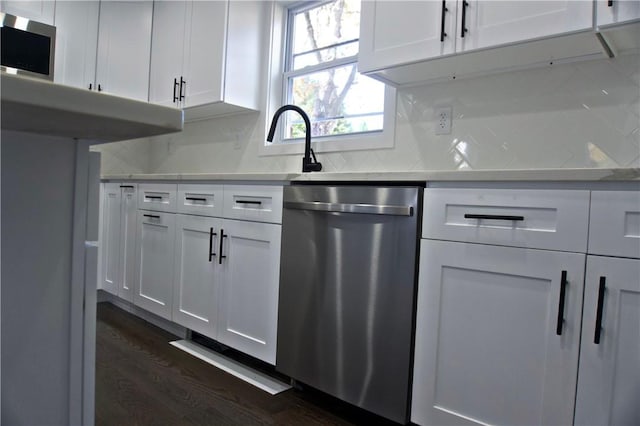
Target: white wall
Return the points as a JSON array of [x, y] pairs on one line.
[[584, 114], [124, 157]]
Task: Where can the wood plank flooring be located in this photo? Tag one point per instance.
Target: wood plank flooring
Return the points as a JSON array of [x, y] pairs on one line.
[[142, 380]]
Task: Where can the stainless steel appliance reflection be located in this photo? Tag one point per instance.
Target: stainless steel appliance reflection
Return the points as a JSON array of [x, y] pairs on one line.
[[347, 292]]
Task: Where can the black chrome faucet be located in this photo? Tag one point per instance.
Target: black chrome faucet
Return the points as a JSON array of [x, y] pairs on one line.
[[309, 162]]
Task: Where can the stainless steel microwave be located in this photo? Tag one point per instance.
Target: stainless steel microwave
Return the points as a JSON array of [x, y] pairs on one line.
[[28, 47]]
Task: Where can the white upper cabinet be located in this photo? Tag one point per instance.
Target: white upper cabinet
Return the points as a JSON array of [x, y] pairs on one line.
[[208, 60], [484, 24], [410, 42], [618, 22], [76, 42], [610, 12], [383, 42], [124, 48], [167, 52], [37, 10]]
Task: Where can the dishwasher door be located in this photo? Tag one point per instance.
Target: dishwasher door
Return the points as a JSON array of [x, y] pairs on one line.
[[347, 292]]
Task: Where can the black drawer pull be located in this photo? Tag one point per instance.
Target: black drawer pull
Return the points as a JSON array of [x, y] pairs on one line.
[[464, 30], [195, 198], [563, 286], [182, 83], [153, 197], [152, 216], [248, 202], [211, 234], [444, 10], [222, 237], [127, 186], [492, 217], [175, 86], [599, 308], [610, 3]]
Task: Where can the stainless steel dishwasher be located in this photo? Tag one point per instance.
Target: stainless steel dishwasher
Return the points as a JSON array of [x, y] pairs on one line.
[[347, 292]]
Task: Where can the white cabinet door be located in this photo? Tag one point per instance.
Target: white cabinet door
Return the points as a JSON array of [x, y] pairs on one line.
[[399, 32], [487, 343], [617, 11], [205, 52], [167, 51], [110, 269], [493, 23], [155, 249], [124, 48], [76, 42], [37, 10], [609, 377], [196, 280], [248, 308], [128, 218]]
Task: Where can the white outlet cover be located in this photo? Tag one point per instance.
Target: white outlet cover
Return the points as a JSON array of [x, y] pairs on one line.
[[443, 120]]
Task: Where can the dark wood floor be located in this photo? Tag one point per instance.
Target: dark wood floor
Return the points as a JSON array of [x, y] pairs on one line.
[[142, 380]]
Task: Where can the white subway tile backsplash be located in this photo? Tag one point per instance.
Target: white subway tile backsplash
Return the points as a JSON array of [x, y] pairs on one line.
[[583, 114]]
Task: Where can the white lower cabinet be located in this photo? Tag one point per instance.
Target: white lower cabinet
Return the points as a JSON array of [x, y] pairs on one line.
[[497, 335], [250, 270], [226, 282], [195, 287], [209, 273], [110, 242], [609, 375], [155, 250], [118, 243]]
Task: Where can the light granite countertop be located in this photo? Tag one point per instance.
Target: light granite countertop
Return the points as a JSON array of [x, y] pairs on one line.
[[549, 175]]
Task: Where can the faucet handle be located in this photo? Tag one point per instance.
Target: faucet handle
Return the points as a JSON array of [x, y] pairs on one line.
[[309, 165]]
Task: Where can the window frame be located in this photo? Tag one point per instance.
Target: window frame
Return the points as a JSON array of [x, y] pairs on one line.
[[277, 91]]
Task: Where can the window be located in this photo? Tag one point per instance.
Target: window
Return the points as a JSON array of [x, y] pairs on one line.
[[320, 75]]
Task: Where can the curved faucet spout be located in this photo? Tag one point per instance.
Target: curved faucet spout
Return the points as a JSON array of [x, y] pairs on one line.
[[309, 162]]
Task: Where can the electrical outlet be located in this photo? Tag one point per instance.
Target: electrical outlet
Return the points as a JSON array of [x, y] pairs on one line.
[[443, 121]]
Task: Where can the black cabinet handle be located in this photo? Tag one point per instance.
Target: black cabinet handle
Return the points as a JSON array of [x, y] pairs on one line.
[[90, 86], [599, 308], [175, 86], [222, 237], [211, 234], [463, 30], [249, 202], [444, 10], [563, 286], [493, 217], [195, 198], [127, 186], [153, 197], [182, 83], [610, 3], [152, 216], [99, 88]]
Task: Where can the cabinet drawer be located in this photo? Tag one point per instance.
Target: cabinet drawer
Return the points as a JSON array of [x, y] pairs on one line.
[[614, 227], [253, 202], [544, 219], [157, 196], [204, 200]]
